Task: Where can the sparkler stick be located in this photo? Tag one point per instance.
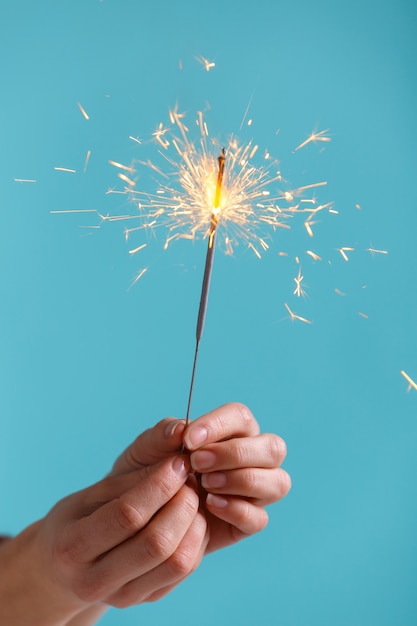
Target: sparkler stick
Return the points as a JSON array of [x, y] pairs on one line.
[[207, 275]]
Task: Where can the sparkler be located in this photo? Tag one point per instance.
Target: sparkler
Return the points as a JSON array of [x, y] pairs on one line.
[[207, 275]]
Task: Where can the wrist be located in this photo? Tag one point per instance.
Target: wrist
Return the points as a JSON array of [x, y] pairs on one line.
[[28, 593]]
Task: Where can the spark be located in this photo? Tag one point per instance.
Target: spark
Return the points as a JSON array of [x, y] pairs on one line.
[[138, 248], [83, 111], [25, 180], [127, 180], [246, 112], [183, 202], [136, 139], [319, 136], [87, 158], [299, 291], [343, 252], [208, 65], [138, 277], [281, 253], [315, 256], [74, 211], [127, 168], [374, 251], [296, 317], [65, 169], [363, 315], [411, 383], [358, 206], [307, 226], [339, 293]]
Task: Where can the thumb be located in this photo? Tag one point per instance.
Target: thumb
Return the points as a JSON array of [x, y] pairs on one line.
[[153, 445]]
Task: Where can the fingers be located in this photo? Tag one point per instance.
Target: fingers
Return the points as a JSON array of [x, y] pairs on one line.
[[262, 486], [244, 517], [162, 579], [137, 557], [122, 517], [153, 445], [229, 420], [265, 451]]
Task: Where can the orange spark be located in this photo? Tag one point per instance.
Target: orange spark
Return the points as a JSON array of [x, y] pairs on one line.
[[343, 252], [138, 277], [315, 256], [307, 226], [410, 381], [87, 158], [320, 136], [83, 111], [138, 248], [127, 180], [65, 169], [299, 291], [122, 167], [75, 211], [296, 317], [208, 65]]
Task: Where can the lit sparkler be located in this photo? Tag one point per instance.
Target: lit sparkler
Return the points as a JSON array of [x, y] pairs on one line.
[[223, 198], [207, 274]]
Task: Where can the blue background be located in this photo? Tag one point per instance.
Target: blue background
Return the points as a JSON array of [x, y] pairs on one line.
[[87, 364]]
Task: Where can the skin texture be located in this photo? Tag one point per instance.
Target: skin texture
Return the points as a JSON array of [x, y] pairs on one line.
[[136, 534]]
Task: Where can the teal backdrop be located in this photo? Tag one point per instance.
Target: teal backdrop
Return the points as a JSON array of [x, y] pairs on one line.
[[87, 363]]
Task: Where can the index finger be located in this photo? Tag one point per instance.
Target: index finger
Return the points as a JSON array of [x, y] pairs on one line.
[[231, 420]]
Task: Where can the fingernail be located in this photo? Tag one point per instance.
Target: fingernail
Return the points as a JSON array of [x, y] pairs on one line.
[[171, 428], [195, 436], [217, 501], [179, 467], [213, 480], [202, 459]]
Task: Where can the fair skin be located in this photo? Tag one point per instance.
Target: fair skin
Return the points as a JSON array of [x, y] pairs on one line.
[[136, 534]]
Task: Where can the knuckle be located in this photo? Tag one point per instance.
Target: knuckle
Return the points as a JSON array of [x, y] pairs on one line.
[[245, 415], [238, 452], [158, 545], [275, 449], [127, 516], [67, 551], [90, 588], [251, 482], [182, 564], [123, 598], [284, 483]]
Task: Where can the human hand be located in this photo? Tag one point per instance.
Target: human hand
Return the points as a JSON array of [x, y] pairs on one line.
[[239, 472], [244, 475], [129, 538]]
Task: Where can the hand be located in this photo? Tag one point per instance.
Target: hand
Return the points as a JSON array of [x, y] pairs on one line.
[[237, 468], [238, 471], [129, 538]]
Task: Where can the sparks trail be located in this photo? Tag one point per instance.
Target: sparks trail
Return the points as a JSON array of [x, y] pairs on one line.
[[207, 275]]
